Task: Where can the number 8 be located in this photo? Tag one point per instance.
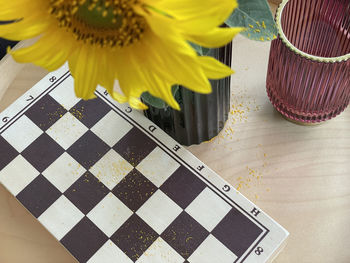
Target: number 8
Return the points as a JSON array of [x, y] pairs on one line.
[[259, 250]]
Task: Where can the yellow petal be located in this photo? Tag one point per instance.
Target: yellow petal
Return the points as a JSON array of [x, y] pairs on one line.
[[185, 69], [160, 88], [214, 69], [197, 15], [24, 29], [137, 75], [165, 29], [176, 57], [51, 51], [106, 72], [83, 65], [13, 10], [215, 38], [130, 79], [118, 97], [137, 104]]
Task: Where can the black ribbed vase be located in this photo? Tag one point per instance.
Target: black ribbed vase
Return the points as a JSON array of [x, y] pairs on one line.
[[202, 116]]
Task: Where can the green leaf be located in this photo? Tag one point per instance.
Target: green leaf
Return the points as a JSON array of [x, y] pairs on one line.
[[201, 51], [256, 17], [175, 89], [206, 51], [157, 102], [153, 101], [198, 48]]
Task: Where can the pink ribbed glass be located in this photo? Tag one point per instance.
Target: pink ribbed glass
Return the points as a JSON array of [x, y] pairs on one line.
[[308, 77]]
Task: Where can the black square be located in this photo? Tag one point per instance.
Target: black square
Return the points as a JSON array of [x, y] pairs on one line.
[[185, 235], [84, 240], [38, 196], [237, 232], [134, 190], [88, 149], [134, 146], [42, 152], [89, 112], [86, 192], [45, 112], [7, 153], [183, 187], [134, 237]]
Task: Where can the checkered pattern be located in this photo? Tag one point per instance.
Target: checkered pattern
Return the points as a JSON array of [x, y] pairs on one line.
[[109, 193]]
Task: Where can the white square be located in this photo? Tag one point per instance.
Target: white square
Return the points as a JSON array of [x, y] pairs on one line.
[[109, 253], [111, 169], [164, 168], [212, 250], [161, 252], [66, 130], [64, 94], [159, 211], [208, 209], [63, 172], [22, 133], [61, 217], [17, 175], [109, 214], [111, 128]]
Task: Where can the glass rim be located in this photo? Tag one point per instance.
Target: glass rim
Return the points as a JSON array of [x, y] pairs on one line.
[[295, 49]]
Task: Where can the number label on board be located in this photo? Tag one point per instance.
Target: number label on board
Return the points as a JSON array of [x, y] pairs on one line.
[[226, 188], [255, 211], [52, 79], [259, 251], [30, 98]]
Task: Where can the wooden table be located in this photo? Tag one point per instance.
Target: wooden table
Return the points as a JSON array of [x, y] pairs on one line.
[[300, 175]]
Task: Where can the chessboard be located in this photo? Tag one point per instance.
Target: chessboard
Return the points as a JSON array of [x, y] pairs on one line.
[[111, 186]]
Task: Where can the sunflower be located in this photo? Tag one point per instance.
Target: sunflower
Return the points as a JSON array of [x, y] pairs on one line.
[[144, 44]]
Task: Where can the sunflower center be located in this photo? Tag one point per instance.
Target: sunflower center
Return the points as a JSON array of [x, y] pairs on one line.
[[112, 23]]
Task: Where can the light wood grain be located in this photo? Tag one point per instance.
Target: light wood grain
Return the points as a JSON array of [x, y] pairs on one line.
[[305, 183], [276, 2], [304, 172]]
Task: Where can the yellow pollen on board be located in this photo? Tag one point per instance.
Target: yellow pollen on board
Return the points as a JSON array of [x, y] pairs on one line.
[[104, 23]]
